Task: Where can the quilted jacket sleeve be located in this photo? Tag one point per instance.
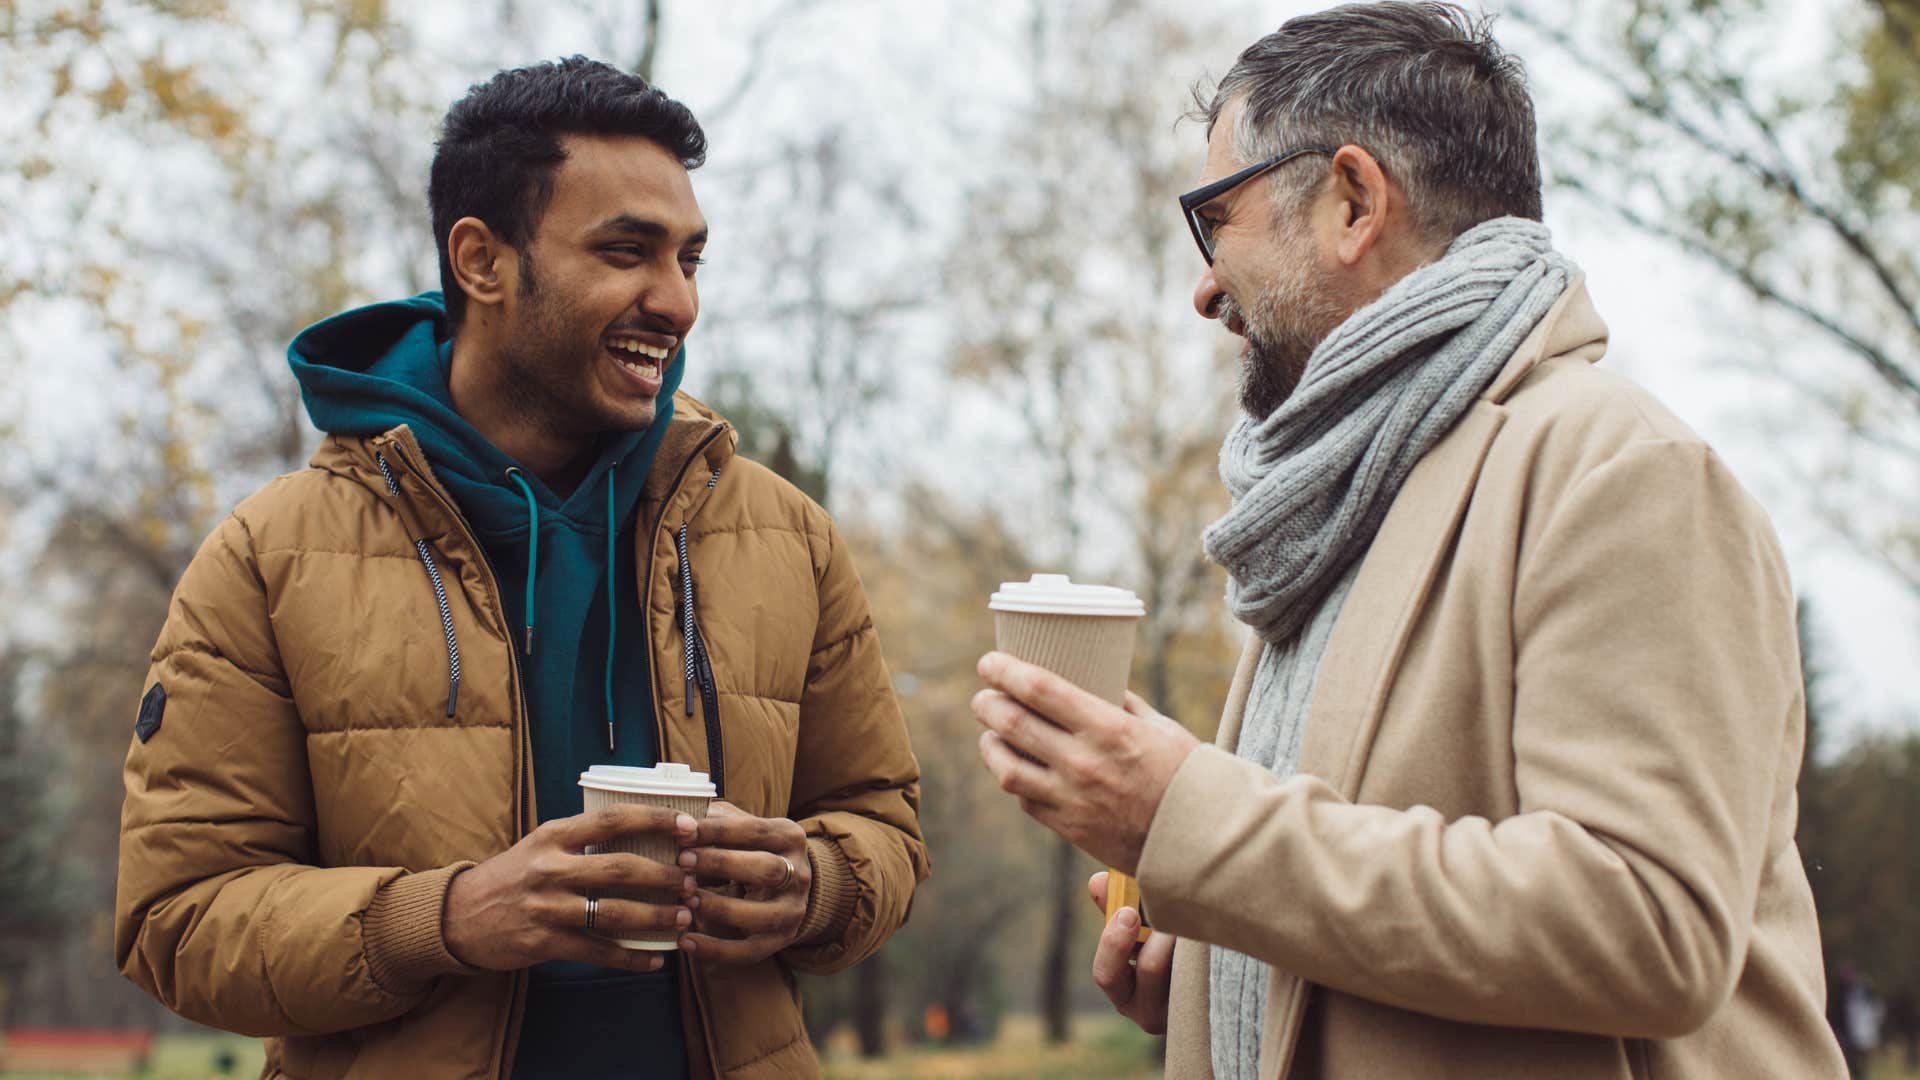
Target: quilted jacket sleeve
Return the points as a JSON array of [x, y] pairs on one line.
[[220, 913], [856, 785]]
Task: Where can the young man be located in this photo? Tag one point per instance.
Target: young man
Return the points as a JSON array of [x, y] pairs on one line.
[[1505, 787], [352, 821]]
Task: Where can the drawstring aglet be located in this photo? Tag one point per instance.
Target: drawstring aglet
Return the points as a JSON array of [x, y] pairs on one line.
[[529, 639], [689, 694], [609, 736]]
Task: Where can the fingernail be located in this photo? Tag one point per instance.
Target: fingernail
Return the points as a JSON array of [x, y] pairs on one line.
[[688, 884], [686, 825], [988, 663], [683, 917], [693, 901], [1128, 919], [654, 963], [688, 860]]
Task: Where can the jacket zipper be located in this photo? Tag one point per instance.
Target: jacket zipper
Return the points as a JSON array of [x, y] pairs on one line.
[[523, 799], [520, 718], [659, 717], [699, 666], [653, 543]]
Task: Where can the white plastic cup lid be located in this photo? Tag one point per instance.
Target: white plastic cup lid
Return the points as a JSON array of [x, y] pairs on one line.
[[666, 778], [1056, 594]]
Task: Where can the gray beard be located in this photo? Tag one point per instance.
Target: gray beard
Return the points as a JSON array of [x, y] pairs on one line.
[[1289, 320], [1269, 369]]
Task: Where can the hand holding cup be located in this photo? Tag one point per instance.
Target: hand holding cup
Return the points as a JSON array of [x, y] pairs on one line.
[[528, 904], [766, 859], [1084, 635]]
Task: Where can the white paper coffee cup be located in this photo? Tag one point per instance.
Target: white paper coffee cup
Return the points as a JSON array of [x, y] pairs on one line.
[[1083, 633], [669, 784]]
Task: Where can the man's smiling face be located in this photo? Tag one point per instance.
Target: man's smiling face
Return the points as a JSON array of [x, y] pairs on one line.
[[606, 290], [1268, 283]]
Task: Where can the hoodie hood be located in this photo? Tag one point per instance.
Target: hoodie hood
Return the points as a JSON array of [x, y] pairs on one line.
[[366, 371]]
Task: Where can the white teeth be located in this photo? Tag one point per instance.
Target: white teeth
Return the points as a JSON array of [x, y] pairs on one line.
[[634, 345]]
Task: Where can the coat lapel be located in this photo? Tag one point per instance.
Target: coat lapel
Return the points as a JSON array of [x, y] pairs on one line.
[[1402, 563], [1350, 692], [1399, 570], [1395, 579]]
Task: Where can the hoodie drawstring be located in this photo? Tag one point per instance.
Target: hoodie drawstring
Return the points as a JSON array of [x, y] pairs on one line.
[[439, 595], [533, 574], [533, 548], [613, 609]]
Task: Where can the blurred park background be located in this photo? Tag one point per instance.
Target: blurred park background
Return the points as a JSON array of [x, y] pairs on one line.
[[948, 297]]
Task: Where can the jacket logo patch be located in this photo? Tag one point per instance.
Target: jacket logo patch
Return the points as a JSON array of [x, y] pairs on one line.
[[151, 707]]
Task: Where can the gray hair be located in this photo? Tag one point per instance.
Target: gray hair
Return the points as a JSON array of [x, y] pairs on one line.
[[1423, 87]]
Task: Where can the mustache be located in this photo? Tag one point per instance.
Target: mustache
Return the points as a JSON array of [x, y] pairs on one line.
[[652, 327]]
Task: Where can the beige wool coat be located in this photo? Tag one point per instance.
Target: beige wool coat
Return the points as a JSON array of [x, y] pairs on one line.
[[1543, 820], [290, 829]]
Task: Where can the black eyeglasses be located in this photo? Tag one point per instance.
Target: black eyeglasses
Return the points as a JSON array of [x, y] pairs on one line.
[[1192, 201]]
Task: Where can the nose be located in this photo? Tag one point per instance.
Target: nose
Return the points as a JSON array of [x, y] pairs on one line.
[[673, 299], [1206, 296]]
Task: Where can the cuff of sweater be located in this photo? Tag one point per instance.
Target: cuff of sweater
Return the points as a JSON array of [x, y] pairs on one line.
[[402, 933], [830, 905]]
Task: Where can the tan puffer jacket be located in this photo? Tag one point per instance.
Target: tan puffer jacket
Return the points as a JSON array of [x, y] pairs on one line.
[[291, 826]]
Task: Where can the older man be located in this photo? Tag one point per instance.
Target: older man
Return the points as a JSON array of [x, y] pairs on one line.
[[1505, 785]]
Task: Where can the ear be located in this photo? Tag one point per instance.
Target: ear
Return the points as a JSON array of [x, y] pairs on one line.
[[483, 264], [1365, 200]]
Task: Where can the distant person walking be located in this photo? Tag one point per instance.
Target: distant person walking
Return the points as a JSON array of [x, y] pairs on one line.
[[1505, 784], [1855, 1015], [353, 822]]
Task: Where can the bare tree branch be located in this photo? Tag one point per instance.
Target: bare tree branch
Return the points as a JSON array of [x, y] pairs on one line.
[[1877, 358], [1779, 177]]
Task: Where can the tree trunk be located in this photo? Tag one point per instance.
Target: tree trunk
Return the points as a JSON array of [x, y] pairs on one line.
[[651, 47], [1055, 995], [870, 1006]]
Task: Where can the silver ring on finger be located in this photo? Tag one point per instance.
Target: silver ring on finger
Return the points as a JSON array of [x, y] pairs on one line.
[[593, 911], [788, 879]]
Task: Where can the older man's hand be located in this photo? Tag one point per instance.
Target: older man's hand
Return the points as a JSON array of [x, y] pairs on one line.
[[1136, 977], [1093, 772]]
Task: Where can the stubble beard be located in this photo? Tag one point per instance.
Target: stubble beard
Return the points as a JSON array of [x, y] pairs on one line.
[[545, 382], [1293, 313]]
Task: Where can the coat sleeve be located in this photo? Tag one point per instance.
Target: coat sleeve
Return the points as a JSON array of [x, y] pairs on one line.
[[221, 913], [856, 785], [1657, 701]]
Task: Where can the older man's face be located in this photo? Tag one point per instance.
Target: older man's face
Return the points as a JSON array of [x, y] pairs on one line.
[[1268, 283]]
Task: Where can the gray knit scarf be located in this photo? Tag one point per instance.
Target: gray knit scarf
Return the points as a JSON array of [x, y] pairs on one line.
[[1312, 482]]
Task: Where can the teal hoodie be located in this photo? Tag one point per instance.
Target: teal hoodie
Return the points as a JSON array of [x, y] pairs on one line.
[[559, 563]]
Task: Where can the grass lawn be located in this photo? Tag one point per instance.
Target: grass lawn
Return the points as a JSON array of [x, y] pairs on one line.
[[1107, 1048], [1104, 1048]]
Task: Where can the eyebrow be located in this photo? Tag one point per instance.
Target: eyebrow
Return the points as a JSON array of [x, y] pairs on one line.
[[629, 224]]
